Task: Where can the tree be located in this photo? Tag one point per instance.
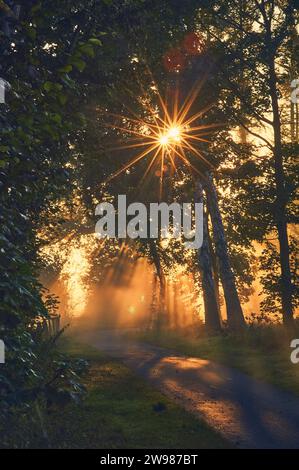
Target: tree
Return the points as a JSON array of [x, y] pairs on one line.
[[38, 118], [255, 37], [233, 306], [211, 305]]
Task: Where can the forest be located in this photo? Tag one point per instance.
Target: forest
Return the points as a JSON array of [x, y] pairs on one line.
[[165, 102]]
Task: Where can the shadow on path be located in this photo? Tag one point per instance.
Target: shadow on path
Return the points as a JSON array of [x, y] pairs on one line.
[[249, 413]]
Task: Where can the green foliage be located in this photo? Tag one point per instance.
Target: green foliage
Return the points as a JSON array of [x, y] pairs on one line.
[[65, 60], [38, 49], [39, 381], [113, 396], [270, 279]]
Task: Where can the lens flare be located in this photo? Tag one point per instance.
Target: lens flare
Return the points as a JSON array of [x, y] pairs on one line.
[[164, 140], [174, 133], [165, 134], [172, 136]]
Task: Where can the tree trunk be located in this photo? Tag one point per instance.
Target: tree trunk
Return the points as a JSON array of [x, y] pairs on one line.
[[235, 317], [153, 306], [161, 306], [215, 269], [212, 314], [281, 202]]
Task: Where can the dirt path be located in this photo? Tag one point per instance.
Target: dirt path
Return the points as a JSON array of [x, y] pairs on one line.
[[249, 413]]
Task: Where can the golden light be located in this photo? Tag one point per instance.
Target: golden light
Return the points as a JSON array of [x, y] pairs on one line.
[[163, 139], [75, 255], [164, 134], [75, 273], [174, 133], [171, 136], [132, 309]]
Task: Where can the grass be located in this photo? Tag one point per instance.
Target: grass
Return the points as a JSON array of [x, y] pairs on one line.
[[262, 352], [119, 411]]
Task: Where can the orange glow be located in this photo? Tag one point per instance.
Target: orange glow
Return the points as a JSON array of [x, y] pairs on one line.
[[74, 275], [163, 139], [132, 309], [174, 133], [172, 136], [164, 134]]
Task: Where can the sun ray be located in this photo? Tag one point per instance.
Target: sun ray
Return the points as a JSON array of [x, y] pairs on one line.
[[167, 118], [130, 131], [165, 110], [195, 137], [205, 127], [172, 161], [150, 165], [193, 149], [141, 99], [161, 174], [129, 109], [176, 104], [198, 115], [191, 97], [142, 144], [171, 133], [186, 161], [136, 121], [132, 162]]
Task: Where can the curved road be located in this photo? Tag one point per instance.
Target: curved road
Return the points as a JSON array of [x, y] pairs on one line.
[[247, 412]]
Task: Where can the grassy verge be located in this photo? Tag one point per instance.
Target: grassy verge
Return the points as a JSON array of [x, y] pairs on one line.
[[262, 352], [121, 411]]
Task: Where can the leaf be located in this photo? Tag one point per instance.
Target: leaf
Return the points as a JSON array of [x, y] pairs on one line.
[[79, 64], [95, 41], [66, 69], [48, 86], [57, 118], [62, 99], [88, 50]]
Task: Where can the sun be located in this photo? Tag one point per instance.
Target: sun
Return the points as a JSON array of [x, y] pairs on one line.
[[164, 139], [171, 137], [174, 133], [164, 134]]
